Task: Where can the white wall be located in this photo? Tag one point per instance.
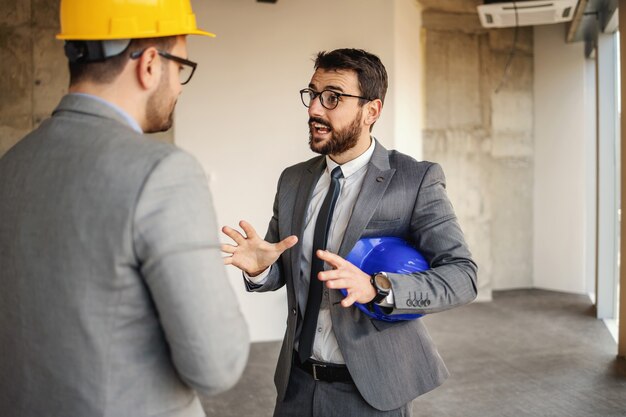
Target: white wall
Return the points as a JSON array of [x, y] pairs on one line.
[[561, 167], [242, 117], [407, 80]]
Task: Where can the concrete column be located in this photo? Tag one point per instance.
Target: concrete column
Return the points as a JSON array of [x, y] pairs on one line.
[[16, 93], [483, 138], [33, 74]]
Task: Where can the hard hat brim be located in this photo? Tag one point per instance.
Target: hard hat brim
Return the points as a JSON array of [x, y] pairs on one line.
[[198, 32], [203, 33]]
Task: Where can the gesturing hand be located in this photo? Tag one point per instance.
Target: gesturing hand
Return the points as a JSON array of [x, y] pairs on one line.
[[250, 253], [346, 275]]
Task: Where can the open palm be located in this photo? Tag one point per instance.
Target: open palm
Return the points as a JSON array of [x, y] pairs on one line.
[[250, 253]]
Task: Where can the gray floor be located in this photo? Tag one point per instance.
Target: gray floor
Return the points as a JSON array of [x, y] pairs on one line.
[[527, 353]]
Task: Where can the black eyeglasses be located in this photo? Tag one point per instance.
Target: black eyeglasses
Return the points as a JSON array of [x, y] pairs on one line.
[[185, 71], [328, 98]]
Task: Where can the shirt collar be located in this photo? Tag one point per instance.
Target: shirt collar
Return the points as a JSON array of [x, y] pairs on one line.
[[354, 165], [132, 122]]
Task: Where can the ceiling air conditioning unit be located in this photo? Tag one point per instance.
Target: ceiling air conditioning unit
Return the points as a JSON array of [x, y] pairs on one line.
[[498, 14]]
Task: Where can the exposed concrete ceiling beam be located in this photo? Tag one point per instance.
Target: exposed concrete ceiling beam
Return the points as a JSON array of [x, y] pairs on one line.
[[591, 16], [576, 21]]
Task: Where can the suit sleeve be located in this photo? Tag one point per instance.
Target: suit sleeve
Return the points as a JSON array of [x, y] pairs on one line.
[[176, 243], [435, 231]]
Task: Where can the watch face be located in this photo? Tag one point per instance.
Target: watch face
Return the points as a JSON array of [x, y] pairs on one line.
[[382, 282]]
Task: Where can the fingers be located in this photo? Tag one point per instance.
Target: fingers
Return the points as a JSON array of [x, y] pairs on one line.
[[247, 227], [233, 234], [228, 260], [339, 283], [286, 243], [330, 258], [349, 300], [228, 248], [331, 274], [348, 277]]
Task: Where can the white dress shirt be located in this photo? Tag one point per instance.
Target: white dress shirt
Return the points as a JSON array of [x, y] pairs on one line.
[[325, 347]]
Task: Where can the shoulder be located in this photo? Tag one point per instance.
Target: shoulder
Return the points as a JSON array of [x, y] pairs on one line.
[[122, 154], [407, 165], [304, 166], [177, 162], [293, 173], [134, 152]]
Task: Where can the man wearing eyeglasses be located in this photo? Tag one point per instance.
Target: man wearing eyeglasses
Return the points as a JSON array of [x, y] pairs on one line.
[[114, 300], [336, 360]]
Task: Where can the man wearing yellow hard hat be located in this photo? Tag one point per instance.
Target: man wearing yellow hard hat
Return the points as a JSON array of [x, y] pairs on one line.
[[114, 300]]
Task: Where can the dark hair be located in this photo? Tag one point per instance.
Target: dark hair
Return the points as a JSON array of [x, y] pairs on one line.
[[370, 71], [103, 72]]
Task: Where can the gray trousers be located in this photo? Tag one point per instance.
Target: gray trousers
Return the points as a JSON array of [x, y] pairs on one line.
[[307, 397]]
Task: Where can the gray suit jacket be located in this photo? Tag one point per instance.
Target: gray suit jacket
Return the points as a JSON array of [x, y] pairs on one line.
[[114, 298], [391, 363]]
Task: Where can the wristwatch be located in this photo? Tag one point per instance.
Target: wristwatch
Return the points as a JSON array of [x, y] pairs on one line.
[[382, 285]]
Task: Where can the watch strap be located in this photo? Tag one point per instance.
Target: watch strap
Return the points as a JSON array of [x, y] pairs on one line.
[[380, 293]]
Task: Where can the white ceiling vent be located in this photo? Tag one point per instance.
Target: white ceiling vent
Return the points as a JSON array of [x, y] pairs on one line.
[[529, 13]]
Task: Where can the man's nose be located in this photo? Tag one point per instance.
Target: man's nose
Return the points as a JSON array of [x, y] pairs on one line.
[[315, 107]]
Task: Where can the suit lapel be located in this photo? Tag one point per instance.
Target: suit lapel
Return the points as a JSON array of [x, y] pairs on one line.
[[375, 183], [305, 190]]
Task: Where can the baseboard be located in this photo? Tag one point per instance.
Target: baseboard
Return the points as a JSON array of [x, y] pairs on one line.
[[611, 324]]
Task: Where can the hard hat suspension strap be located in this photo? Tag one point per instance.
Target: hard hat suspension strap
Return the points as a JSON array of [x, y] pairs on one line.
[[94, 51]]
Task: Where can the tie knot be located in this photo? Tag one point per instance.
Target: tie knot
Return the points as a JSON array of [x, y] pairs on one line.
[[336, 173]]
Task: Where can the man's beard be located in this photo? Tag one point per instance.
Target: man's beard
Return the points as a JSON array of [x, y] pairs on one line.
[[160, 108], [340, 140]]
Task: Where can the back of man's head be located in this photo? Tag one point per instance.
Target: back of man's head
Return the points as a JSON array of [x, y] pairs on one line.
[[106, 70]]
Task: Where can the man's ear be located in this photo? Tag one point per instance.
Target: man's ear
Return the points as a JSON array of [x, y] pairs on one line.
[[372, 111], [149, 69]]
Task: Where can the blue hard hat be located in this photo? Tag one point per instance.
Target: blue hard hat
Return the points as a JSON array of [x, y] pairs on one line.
[[385, 254]]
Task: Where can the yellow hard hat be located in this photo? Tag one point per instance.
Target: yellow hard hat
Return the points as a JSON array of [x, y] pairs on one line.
[[88, 20]]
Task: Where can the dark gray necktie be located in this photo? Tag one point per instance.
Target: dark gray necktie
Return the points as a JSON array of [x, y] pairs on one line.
[[307, 335]]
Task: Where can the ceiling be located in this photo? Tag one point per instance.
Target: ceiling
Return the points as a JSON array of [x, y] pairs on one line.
[[592, 17]]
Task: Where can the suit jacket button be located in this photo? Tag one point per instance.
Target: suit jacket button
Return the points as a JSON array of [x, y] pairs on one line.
[[380, 179], [293, 311]]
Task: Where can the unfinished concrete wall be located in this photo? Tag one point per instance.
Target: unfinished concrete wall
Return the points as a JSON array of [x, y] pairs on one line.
[[483, 138], [33, 74], [33, 68]]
